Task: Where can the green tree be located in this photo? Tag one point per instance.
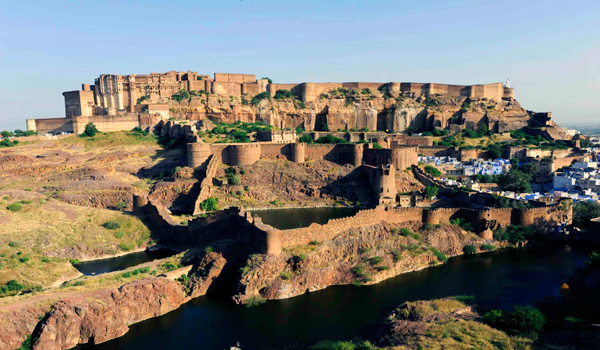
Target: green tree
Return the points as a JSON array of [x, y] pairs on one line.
[[263, 95], [180, 96], [430, 192], [209, 204], [516, 181], [433, 171], [7, 133], [495, 151], [583, 212], [90, 130]]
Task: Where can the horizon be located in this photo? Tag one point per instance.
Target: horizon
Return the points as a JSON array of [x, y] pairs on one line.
[[550, 53]]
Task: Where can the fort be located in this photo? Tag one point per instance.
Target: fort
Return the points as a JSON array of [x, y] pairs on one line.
[[121, 102], [238, 224]]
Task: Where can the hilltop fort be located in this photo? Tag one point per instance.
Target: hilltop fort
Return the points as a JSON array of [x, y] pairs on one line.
[[122, 102]]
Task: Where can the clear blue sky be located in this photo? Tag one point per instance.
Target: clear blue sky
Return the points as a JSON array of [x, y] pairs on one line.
[[550, 50]]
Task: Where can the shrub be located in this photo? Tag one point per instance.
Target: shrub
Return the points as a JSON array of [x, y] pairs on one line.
[[255, 301], [433, 171], [524, 320], [283, 94], [306, 138], [300, 257], [119, 234], [24, 259], [430, 192], [514, 233], [377, 146], [209, 204], [286, 276], [112, 225], [15, 207], [488, 247], [263, 95], [376, 260], [396, 255], [121, 205], [330, 139], [170, 266], [359, 271], [74, 261], [470, 249], [234, 179], [126, 246], [439, 255], [90, 130], [462, 223], [583, 212]]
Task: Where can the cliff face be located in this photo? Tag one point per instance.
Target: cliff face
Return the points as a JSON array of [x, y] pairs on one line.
[[363, 255], [103, 315], [348, 110]]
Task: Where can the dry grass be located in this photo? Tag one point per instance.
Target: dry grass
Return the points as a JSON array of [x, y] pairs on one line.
[[110, 139], [454, 325], [37, 242]]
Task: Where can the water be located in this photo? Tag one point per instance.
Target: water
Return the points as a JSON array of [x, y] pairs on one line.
[[94, 267], [497, 280], [284, 219]]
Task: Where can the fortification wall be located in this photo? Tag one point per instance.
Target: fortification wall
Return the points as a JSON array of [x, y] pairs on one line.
[[276, 151], [206, 184], [107, 123], [50, 125], [435, 151], [405, 156]]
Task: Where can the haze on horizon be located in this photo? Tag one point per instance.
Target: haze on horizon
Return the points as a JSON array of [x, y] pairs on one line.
[[550, 50]]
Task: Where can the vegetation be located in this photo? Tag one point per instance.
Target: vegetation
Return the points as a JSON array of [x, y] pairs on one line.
[[523, 138], [283, 94], [8, 143], [433, 171], [15, 207], [269, 80], [522, 320], [306, 138], [439, 255], [470, 249], [488, 247], [262, 96], [583, 212], [209, 204], [462, 223], [255, 301], [142, 99], [112, 225], [406, 232], [13, 287], [514, 233], [515, 180], [430, 192], [90, 130], [354, 344], [330, 139]]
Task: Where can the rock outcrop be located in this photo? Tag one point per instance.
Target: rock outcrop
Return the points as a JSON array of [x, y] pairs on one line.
[[363, 255], [103, 315]]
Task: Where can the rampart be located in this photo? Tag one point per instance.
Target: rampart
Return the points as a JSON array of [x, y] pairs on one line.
[[545, 219], [206, 184]]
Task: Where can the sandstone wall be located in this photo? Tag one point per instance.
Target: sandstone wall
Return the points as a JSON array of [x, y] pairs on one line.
[[206, 184], [50, 125], [107, 123]]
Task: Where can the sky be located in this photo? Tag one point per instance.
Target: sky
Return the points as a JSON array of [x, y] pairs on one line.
[[550, 50]]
